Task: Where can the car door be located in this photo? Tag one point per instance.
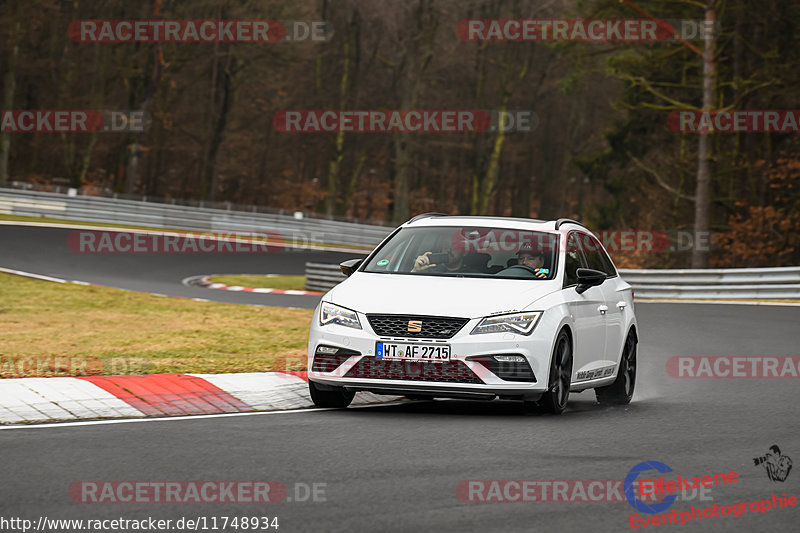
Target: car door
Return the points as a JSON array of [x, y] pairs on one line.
[[597, 259], [588, 311]]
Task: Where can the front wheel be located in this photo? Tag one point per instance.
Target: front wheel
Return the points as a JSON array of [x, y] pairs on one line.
[[621, 391], [554, 401], [337, 399]]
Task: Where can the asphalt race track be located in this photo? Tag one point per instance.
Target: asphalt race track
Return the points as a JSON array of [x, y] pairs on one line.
[[396, 467], [44, 251]]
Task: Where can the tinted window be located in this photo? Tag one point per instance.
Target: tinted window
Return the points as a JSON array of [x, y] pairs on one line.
[[596, 257], [574, 260], [609, 266], [593, 252]]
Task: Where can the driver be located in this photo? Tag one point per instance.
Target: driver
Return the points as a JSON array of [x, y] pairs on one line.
[[526, 256], [455, 262]]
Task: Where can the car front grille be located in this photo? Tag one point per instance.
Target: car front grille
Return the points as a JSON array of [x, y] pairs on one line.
[[431, 327], [447, 371]]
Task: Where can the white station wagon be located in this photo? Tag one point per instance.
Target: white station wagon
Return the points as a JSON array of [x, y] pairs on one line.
[[477, 308]]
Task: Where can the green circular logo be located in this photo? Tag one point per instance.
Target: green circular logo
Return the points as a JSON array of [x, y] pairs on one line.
[[383, 262]]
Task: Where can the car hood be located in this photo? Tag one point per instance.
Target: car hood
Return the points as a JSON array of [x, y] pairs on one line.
[[437, 295]]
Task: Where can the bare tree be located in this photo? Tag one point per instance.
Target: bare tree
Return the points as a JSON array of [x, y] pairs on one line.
[[9, 86]]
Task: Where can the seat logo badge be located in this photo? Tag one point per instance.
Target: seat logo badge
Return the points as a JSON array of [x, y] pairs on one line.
[[414, 326]]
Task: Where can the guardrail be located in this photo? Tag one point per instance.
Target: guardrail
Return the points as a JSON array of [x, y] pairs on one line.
[[323, 276], [723, 283], [300, 231], [718, 284]]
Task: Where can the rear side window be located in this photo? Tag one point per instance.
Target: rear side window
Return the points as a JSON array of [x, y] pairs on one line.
[[593, 252], [574, 260], [609, 266], [596, 257]]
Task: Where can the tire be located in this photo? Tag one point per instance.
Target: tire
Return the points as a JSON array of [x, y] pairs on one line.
[[337, 399], [554, 401], [621, 391]]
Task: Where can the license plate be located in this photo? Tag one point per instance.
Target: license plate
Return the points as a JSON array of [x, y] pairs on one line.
[[417, 352]]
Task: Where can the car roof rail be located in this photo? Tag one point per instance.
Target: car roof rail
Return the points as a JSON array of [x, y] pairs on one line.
[[561, 221], [426, 215]]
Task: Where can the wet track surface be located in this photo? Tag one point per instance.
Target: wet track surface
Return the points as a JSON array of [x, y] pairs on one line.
[[44, 250], [396, 467]]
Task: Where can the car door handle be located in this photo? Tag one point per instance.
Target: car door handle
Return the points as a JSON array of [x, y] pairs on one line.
[[603, 309], [621, 305]]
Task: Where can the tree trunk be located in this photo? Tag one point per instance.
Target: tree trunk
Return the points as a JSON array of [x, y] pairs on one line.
[[338, 147], [9, 84], [218, 121], [413, 62], [135, 147], [402, 156], [98, 101], [493, 168], [701, 207]]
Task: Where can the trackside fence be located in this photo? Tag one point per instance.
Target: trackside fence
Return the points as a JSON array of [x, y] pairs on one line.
[[720, 284], [298, 229]]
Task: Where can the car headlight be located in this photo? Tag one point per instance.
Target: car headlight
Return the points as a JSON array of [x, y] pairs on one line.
[[333, 314], [519, 323]]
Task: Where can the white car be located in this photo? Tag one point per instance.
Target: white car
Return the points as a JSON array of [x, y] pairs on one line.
[[477, 308]]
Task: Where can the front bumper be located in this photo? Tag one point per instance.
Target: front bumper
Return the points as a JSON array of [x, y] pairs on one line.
[[355, 367]]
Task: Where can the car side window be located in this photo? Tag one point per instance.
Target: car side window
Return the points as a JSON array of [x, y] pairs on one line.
[[596, 256], [593, 252], [574, 260], [609, 265]]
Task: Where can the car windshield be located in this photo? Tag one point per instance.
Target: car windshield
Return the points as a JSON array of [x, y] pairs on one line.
[[468, 252]]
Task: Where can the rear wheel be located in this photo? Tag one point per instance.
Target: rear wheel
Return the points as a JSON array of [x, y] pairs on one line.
[[621, 391], [338, 399], [554, 401]]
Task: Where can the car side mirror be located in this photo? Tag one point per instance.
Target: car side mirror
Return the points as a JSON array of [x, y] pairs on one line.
[[350, 266], [588, 277]]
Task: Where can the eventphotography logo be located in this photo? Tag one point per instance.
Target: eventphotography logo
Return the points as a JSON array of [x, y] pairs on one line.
[[776, 464]]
